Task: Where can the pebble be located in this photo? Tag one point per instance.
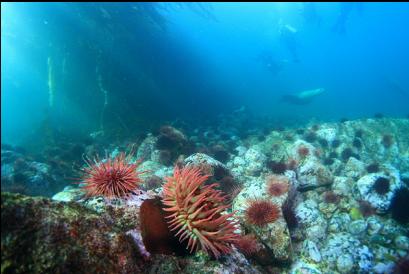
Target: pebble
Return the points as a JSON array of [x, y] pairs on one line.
[[357, 227], [345, 263]]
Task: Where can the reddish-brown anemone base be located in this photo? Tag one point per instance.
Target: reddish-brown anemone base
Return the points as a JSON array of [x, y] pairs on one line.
[[157, 237]]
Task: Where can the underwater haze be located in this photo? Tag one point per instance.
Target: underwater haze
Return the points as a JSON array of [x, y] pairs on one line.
[[201, 137], [159, 62]]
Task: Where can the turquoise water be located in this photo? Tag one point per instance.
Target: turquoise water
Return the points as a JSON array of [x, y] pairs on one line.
[[131, 66], [204, 137]]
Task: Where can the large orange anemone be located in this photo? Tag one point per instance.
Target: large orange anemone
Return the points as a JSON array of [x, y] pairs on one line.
[[197, 212]]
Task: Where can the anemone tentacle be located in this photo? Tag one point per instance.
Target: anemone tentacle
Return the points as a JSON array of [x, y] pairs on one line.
[[197, 212]]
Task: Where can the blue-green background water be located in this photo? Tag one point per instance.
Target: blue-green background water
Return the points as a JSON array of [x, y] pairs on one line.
[[126, 68]]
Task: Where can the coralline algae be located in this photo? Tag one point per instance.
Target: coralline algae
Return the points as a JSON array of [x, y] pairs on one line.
[[330, 237]]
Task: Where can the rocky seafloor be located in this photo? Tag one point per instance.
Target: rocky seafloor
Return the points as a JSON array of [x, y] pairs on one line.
[[345, 211]]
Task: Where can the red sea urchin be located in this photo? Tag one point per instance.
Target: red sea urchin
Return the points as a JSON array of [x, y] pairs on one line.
[[303, 151], [277, 185], [113, 178], [387, 140], [277, 167], [366, 208], [261, 212], [331, 197], [247, 245], [197, 212]]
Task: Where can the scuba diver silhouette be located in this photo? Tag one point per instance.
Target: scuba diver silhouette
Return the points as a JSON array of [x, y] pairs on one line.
[[287, 36]]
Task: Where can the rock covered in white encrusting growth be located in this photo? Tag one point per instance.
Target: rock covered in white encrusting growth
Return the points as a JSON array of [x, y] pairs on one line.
[[319, 224], [292, 178], [158, 156], [100, 203], [354, 168], [241, 150], [146, 148], [313, 173], [154, 168], [311, 219], [97, 203], [239, 161], [295, 154], [278, 247], [217, 170], [254, 154], [304, 268], [345, 263], [342, 185], [364, 257], [20, 173], [237, 166], [255, 161], [339, 222], [381, 268], [374, 225], [249, 162], [312, 251], [357, 227], [402, 242], [138, 198], [367, 192], [348, 245], [68, 194], [327, 132], [327, 209], [374, 131], [384, 254], [253, 189], [318, 231], [201, 158], [307, 212], [163, 172]]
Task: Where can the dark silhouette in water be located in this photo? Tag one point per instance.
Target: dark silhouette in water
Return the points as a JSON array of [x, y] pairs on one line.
[[287, 36], [346, 9]]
